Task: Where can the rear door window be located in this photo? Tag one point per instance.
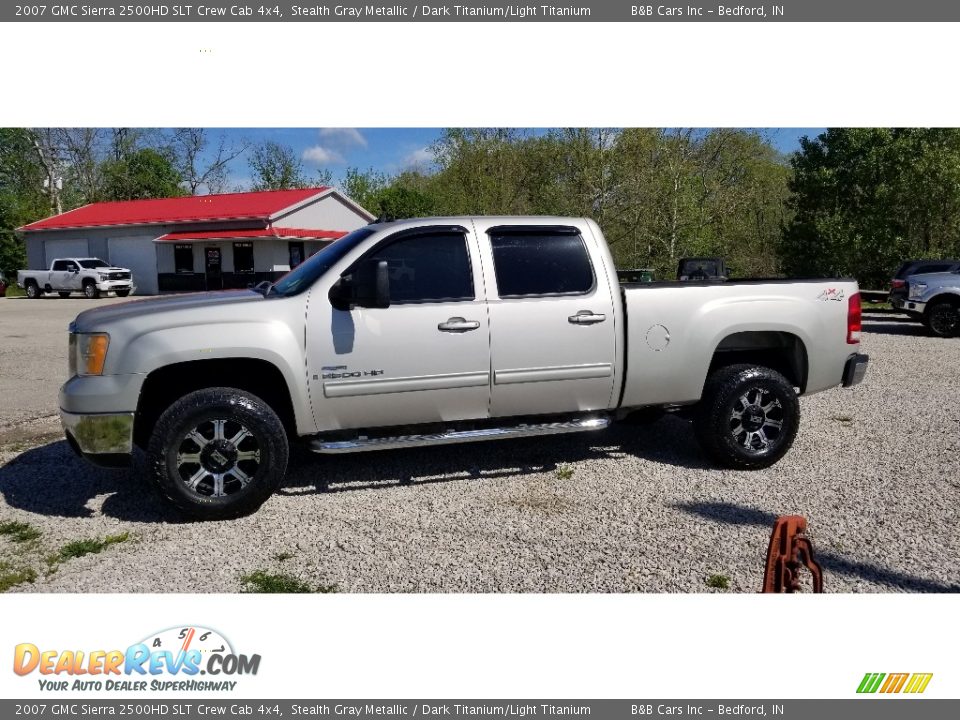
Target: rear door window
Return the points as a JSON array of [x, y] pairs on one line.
[[538, 262]]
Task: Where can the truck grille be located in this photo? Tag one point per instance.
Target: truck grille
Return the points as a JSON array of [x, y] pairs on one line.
[[119, 276]]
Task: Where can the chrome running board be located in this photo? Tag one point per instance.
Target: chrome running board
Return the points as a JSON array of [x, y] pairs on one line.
[[362, 444]]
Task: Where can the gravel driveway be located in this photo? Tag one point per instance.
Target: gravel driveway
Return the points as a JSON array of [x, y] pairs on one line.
[[876, 470]]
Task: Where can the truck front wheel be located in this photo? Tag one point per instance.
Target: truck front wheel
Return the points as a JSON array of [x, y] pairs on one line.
[[218, 453], [90, 291], [748, 417], [942, 318]]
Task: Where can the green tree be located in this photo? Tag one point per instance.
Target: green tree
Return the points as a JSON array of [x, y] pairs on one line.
[[275, 167], [22, 197], [400, 201], [142, 174], [364, 186], [865, 199]]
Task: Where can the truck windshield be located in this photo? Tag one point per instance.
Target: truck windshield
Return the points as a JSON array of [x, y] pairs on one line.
[[304, 275], [93, 263]]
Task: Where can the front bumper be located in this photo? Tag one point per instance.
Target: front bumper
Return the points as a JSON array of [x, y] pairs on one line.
[[105, 439], [908, 305], [855, 369], [114, 285]]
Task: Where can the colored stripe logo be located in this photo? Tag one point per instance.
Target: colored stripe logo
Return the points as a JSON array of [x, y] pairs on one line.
[[913, 683]]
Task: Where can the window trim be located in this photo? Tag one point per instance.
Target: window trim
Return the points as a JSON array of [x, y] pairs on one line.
[[537, 230], [421, 231]]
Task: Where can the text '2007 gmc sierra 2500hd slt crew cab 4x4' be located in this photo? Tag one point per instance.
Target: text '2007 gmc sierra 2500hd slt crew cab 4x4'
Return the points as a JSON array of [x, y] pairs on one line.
[[443, 330]]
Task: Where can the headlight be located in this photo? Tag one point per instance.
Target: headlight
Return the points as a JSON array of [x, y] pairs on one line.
[[88, 351], [104, 276], [917, 291]]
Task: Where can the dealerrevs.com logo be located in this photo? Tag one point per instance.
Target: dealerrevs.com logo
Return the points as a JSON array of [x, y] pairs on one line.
[[892, 683], [176, 659]]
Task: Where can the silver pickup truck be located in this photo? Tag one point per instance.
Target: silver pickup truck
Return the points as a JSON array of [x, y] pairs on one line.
[[445, 330], [91, 276], [934, 299]]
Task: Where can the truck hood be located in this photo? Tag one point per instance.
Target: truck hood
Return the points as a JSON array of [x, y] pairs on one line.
[[99, 318], [942, 277]]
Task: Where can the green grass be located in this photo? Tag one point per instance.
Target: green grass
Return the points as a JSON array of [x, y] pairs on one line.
[[19, 532], [11, 576], [720, 582], [79, 548], [261, 581], [14, 291], [564, 472]]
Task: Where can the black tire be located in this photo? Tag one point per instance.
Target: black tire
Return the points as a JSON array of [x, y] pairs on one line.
[[176, 459], [64, 294], [33, 290], [942, 319], [748, 417], [90, 291], [122, 293]]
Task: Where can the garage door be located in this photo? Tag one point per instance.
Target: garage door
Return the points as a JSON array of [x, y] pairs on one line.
[[140, 256], [65, 249]]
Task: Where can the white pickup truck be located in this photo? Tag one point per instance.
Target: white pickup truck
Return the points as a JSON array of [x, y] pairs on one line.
[[443, 330], [91, 276]]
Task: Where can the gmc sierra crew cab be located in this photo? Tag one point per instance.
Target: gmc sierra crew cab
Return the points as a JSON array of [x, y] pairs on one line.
[[91, 276], [445, 330]]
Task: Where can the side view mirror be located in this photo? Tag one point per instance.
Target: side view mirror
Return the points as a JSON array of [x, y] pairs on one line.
[[367, 286]]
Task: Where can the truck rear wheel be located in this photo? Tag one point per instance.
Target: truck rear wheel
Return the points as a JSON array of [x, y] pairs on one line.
[[748, 417], [218, 453], [33, 290]]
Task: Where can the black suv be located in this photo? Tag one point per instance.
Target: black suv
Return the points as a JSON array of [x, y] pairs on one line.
[[898, 285]]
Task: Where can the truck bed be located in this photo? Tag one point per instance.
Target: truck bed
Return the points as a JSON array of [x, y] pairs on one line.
[[675, 328]]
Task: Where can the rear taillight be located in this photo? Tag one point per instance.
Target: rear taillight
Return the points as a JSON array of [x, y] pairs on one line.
[[897, 284], [854, 319]]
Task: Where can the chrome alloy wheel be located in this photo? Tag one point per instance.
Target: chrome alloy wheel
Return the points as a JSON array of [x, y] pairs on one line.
[[756, 420], [218, 458]]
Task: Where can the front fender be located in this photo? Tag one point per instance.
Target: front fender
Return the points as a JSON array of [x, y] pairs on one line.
[[270, 341]]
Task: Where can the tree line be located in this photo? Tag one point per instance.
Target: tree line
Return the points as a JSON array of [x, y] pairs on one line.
[[852, 202]]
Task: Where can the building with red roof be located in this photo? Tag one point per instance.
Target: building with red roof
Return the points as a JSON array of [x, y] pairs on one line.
[[199, 242]]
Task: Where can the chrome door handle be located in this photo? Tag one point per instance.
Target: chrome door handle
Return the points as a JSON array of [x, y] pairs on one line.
[[458, 325], [587, 317]]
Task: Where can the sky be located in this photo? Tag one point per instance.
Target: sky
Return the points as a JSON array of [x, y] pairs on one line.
[[388, 150]]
